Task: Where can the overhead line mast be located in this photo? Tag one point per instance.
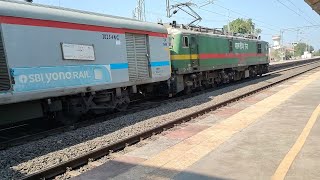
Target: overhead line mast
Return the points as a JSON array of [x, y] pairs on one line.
[[139, 12]]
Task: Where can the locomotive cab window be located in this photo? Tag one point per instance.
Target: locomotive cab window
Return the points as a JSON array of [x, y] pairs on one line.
[[185, 41], [230, 46], [259, 48]]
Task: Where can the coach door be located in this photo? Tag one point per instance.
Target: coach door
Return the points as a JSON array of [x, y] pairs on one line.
[[4, 73], [138, 56], [194, 51]]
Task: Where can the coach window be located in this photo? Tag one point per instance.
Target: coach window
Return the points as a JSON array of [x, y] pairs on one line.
[[259, 48], [230, 46], [185, 41]]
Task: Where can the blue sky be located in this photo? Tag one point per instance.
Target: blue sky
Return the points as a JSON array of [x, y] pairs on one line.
[[269, 15]]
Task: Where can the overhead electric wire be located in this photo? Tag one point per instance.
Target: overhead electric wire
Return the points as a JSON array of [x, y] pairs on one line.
[[294, 11], [234, 17], [180, 17], [242, 14], [302, 11], [265, 27], [257, 20], [247, 16]]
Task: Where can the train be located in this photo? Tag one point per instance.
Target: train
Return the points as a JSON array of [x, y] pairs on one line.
[[63, 63]]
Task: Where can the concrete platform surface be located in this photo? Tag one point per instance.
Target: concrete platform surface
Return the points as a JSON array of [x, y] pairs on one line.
[[290, 61], [272, 135]]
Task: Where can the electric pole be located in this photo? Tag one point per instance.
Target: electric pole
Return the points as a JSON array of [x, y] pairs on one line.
[[139, 12]]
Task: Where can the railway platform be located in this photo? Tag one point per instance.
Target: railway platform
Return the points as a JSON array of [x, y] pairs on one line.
[[271, 135], [277, 64], [290, 61]]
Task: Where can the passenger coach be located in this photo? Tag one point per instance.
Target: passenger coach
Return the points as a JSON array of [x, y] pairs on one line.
[[64, 63]]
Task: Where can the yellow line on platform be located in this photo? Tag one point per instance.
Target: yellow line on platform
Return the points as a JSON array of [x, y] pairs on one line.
[[285, 164]]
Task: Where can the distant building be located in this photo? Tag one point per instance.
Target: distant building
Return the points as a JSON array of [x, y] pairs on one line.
[[306, 55], [276, 41], [280, 51]]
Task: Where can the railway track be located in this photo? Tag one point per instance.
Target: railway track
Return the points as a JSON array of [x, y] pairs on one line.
[[23, 133], [96, 154]]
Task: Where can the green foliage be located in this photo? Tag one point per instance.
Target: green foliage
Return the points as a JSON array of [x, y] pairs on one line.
[[243, 26], [288, 54], [257, 31], [300, 48], [278, 54], [317, 53]]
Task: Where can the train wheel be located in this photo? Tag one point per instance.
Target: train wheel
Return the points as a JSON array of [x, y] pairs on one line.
[[122, 103], [66, 118], [213, 85], [122, 107], [187, 90], [205, 85]]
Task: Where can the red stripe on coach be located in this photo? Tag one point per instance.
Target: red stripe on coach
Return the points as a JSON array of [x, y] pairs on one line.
[[75, 26]]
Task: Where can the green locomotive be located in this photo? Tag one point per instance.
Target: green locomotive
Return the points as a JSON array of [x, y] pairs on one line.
[[202, 57]]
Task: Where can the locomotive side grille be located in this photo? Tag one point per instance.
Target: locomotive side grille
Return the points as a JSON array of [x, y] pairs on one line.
[[137, 52], [4, 73]]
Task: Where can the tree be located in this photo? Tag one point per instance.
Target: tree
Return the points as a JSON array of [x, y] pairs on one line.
[[311, 49], [243, 26], [275, 54], [316, 53], [300, 48], [278, 54]]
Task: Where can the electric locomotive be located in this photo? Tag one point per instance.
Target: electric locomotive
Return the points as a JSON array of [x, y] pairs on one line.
[[203, 57]]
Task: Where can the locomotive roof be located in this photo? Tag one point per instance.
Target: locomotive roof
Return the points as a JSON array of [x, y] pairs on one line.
[[177, 30], [44, 12]]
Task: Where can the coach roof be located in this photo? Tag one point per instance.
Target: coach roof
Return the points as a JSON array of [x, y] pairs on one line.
[[43, 12]]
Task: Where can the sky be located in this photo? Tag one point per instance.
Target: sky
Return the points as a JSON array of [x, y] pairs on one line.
[[272, 16]]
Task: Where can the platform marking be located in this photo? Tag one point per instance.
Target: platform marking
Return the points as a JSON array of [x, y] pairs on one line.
[[286, 163], [175, 159]]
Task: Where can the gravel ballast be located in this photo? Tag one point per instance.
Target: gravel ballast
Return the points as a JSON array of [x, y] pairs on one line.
[[19, 161]]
